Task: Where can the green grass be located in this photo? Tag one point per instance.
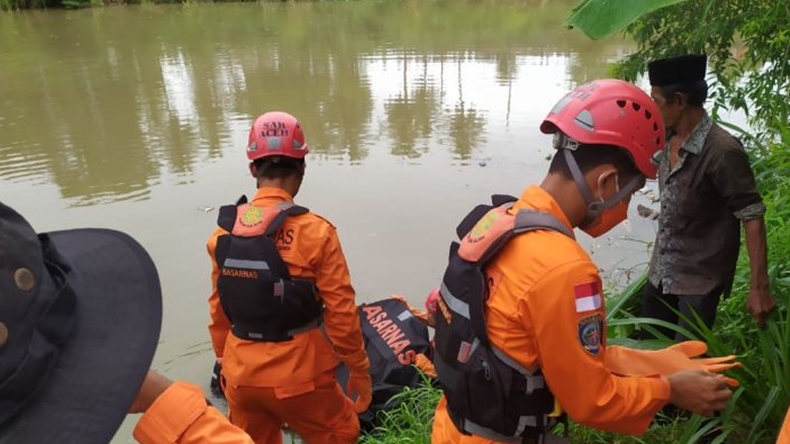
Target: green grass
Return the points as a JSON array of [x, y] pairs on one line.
[[411, 421]]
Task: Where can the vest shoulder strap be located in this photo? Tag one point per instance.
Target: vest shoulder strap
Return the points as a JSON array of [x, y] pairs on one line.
[[529, 220], [498, 200], [497, 226], [226, 218], [286, 209]]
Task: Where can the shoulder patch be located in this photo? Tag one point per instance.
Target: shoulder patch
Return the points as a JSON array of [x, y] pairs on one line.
[[251, 217], [590, 333]]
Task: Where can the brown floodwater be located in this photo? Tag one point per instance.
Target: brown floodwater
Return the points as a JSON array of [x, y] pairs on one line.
[[136, 118]]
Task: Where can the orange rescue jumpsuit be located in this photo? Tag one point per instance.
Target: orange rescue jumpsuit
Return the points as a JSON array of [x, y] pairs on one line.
[[293, 382], [180, 415], [535, 316], [784, 434]]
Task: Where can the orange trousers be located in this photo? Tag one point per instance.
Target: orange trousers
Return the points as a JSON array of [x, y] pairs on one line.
[[318, 411]]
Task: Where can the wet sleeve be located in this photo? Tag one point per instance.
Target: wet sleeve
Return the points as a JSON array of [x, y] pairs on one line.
[[564, 311], [341, 317], [180, 415], [732, 176], [219, 325]]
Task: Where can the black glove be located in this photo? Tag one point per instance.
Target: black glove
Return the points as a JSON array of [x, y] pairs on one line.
[[217, 381]]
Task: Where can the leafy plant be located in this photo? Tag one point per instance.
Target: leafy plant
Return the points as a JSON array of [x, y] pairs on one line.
[[600, 18]]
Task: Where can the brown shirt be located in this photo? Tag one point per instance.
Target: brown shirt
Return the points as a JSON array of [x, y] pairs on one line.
[[703, 199]]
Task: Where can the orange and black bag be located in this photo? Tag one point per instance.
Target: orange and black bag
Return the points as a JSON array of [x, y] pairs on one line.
[[394, 338]]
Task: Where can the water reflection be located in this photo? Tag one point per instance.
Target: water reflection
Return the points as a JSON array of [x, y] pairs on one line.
[[415, 111], [104, 110]]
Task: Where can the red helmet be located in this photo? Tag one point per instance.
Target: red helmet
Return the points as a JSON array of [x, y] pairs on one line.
[[276, 134], [609, 112]]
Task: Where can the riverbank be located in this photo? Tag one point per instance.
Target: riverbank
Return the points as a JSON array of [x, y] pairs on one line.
[[758, 407], [754, 416], [15, 5]]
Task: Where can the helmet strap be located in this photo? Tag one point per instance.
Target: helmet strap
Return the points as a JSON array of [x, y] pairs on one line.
[[595, 207]]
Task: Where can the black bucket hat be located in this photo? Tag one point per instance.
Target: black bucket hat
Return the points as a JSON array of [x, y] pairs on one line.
[[80, 314]]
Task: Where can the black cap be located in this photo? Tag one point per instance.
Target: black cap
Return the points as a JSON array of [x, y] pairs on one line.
[[677, 70]]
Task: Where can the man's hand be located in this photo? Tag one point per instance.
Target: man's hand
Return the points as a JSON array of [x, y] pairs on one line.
[[217, 384], [153, 386], [699, 392], [359, 384], [760, 304]]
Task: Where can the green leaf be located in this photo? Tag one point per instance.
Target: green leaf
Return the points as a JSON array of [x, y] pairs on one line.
[[601, 18]]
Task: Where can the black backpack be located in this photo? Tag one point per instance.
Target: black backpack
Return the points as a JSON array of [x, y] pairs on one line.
[[488, 393], [393, 338]]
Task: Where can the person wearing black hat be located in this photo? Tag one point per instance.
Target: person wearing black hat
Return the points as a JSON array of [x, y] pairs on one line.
[[80, 314], [707, 192]]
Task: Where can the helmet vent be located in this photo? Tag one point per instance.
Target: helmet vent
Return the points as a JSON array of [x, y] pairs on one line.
[[636, 106], [621, 103]]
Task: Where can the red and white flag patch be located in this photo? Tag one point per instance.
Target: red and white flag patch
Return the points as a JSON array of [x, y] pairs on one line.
[[588, 296]]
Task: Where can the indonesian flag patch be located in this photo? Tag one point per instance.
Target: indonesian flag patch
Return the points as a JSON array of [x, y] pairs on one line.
[[588, 296]]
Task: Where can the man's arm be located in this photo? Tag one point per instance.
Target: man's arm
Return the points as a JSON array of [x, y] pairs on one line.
[[733, 177], [176, 412], [567, 322], [341, 318], [570, 337], [760, 302], [219, 325], [341, 315]]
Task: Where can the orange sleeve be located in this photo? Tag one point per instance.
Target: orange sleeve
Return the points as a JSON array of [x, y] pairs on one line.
[[341, 316], [425, 365], [784, 434], [180, 415], [573, 366], [219, 325]]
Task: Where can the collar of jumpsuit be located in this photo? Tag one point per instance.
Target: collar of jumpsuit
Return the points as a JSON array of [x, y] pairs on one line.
[[265, 194], [536, 198]]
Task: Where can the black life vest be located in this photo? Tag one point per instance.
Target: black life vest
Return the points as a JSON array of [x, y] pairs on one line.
[[257, 293], [393, 338], [488, 393]]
